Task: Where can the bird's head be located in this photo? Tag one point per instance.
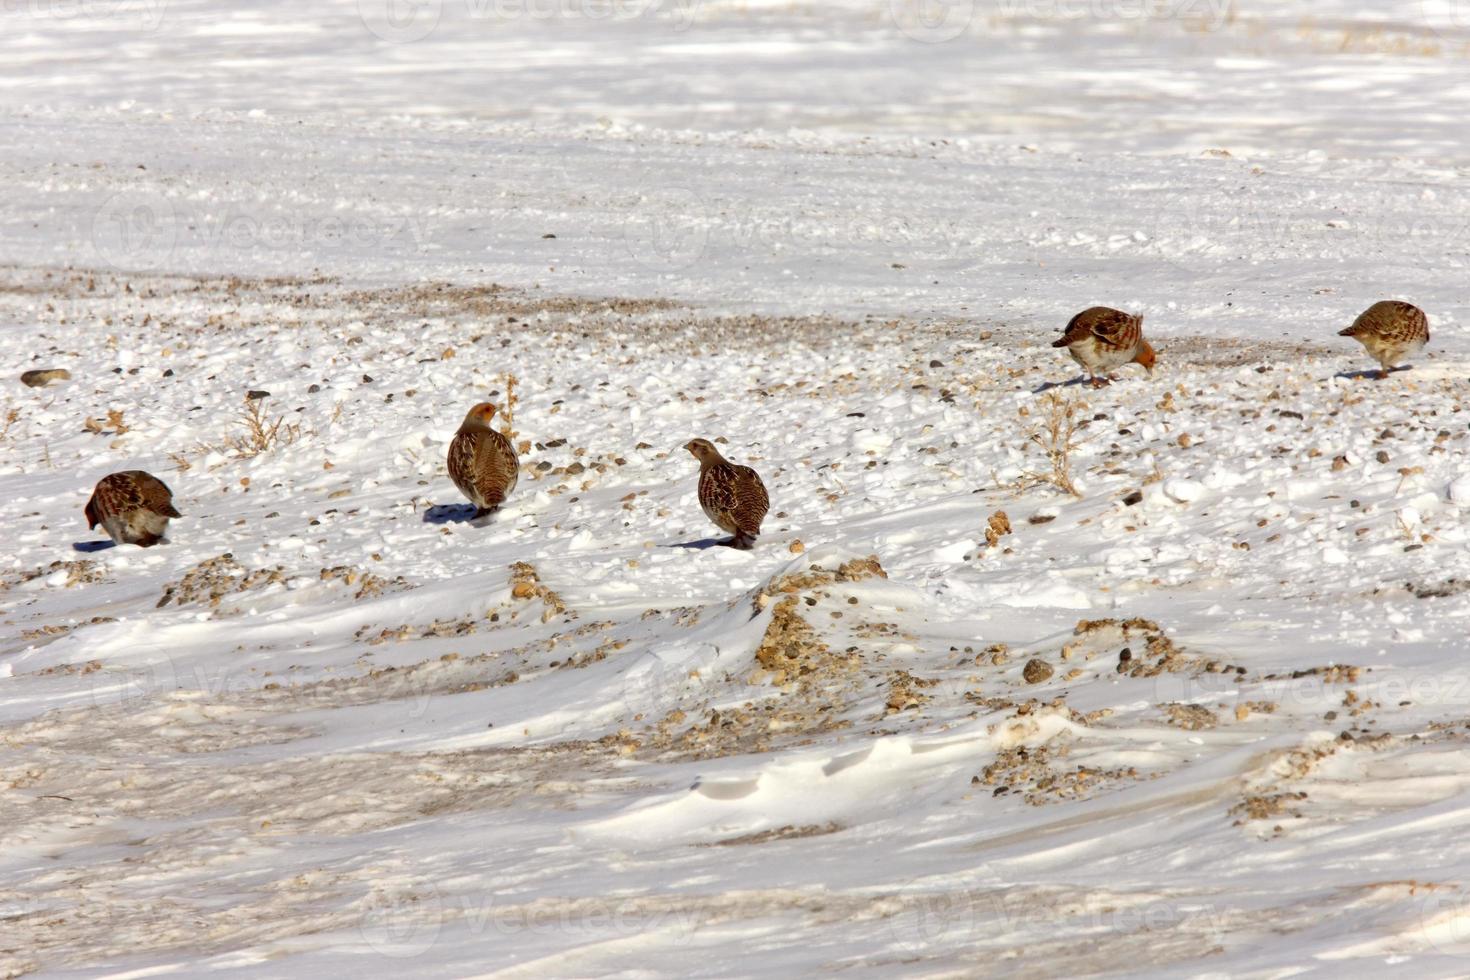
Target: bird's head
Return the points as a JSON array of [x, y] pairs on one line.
[[702, 450], [1145, 357], [479, 417]]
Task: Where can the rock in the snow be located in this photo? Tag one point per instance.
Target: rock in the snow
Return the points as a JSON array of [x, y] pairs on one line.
[[1036, 671], [42, 378]]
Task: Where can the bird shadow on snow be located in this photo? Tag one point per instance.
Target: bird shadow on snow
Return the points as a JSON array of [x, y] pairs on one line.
[[88, 547], [450, 514], [1370, 374], [702, 544], [1049, 385]]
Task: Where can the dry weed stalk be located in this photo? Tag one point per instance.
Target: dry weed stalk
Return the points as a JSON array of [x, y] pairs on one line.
[[508, 413], [12, 416], [114, 423], [1056, 435], [262, 433]]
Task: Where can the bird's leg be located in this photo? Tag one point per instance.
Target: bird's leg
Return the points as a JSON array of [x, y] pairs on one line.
[[1383, 372], [741, 542]]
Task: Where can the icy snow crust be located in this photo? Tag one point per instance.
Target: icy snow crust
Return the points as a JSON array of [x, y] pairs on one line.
[[1205, 716]]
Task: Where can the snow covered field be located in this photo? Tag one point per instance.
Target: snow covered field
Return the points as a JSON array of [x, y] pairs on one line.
[[1208, 716]]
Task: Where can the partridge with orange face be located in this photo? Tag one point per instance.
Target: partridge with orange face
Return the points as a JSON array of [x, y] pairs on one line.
[[133, 507], [732, 496], [1391, 331], [482, 462], [1103, 340]]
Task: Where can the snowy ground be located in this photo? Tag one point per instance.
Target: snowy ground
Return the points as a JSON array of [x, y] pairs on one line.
[[1209, 716]]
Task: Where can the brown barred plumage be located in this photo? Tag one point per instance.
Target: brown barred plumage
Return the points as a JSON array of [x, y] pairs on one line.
[[1103, 340], [1391, 331], [482, 462], [133, 507], [732, 496]]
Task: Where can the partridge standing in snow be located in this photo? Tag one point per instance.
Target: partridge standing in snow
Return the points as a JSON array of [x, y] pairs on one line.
[[1391, 331], [133, 507], [732, 496], [1103, 340], [482, 462]]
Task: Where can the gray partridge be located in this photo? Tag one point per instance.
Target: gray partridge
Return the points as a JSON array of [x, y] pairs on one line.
[[1103, 340], [732, 496], [133, 507], [1391, 330], [482, 462]]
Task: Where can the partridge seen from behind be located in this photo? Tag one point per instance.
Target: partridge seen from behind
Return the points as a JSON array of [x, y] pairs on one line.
[[133, 507], [732, 496], [482, 462], [1103, 339], [1391, 331]]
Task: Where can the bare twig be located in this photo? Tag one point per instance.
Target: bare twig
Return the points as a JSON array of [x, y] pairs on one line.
[[1056, 435], [261, 432], [11, 417], [508, 415]]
